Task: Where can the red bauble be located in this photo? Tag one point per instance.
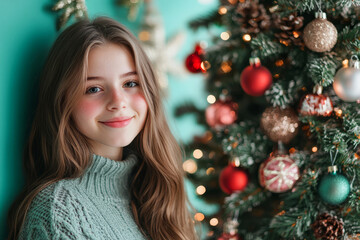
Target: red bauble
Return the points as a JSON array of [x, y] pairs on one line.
[[233, 179], [255, 79], [221, 113], [278, 173], [316, 105], [193, 61]]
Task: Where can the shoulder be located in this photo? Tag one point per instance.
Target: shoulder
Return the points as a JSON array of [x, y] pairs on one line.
[[50, 211]]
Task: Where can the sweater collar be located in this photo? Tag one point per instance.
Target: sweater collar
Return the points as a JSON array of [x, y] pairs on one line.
[[108, 178]]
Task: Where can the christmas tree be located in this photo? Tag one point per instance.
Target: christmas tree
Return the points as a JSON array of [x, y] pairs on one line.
[[281, 153]]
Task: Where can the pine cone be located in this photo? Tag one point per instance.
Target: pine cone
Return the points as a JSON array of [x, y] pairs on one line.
[[252, 17], [328, 227], [289, 27]]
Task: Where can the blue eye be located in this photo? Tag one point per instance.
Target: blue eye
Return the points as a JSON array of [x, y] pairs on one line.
[[93, 90], [131, 84]]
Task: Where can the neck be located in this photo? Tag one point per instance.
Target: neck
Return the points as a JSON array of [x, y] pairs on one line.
[[114, 153]]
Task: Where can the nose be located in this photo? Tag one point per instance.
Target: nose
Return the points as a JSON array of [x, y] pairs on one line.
[[117, 100]]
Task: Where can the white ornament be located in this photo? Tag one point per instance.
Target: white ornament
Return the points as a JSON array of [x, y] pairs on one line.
[[347, 81]]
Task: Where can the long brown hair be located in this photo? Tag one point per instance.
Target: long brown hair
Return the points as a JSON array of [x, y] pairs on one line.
[[57, 150]]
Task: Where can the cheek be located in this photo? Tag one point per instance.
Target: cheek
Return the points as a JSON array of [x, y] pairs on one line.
[[140, 104], [86, 109]]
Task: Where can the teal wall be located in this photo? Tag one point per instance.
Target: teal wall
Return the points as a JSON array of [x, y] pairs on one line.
[[27, 33]]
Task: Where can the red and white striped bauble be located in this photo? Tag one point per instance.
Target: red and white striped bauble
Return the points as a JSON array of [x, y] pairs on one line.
[[316, 105], [278, 173]]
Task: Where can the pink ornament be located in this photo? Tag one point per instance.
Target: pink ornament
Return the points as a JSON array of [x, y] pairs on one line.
[[278, 173], [316, 105], [228, 236], [221, 113]]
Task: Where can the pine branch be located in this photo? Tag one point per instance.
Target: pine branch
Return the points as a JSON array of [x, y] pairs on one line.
[[265, 47], [245, 201], [349, 40], [284, 93], [322, 70], [247, 142], [206, 21]]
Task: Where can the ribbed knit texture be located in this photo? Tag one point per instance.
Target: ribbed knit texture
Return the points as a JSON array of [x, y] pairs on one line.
[[93, 206]]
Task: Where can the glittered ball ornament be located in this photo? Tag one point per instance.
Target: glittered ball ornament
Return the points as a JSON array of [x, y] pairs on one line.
[[347, 81], [334, 187], [233, 179], [221, 113], [255, 79], [316, 104], [194, 60], [280, 124], [320, 35], [278, 174]]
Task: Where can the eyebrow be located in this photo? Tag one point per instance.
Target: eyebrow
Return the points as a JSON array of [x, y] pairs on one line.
[[128, 74]]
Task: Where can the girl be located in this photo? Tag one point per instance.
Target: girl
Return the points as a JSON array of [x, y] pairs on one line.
[[101, 162]]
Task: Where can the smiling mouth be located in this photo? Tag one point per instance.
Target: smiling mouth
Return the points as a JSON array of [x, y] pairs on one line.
[[118, 123]]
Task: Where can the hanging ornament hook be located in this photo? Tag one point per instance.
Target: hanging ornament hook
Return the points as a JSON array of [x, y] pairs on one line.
[[319, 6], [333, 158], [354, 62]]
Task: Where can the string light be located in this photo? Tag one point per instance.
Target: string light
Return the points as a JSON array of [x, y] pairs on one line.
[[314, 149], [292, 150], [197, 153], [338, 112], [279, 63], [199, 217], [214, 221], [226, 67], [246, 37], [222, 10], [211, 99], [200, 190], [190, 166], [296, 34], [210, 170], [205, 65], [224, 36], [345, 63]]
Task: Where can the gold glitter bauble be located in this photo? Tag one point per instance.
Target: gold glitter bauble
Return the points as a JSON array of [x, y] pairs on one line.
[[320, 35], [279, 124]]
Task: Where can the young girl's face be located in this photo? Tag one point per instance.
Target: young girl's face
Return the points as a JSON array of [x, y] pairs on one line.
[[112, 111]]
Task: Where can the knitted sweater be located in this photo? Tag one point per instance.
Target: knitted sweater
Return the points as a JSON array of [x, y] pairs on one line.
[[93, 206]]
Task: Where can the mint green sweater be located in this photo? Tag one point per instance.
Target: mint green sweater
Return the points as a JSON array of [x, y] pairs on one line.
[[93, 206]]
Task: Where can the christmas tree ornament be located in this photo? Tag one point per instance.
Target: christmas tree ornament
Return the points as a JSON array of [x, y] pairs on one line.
[[327, 226], [221, 113], [316, 104], [194, 60], [252, 17], [70, 8], [289, 27], [347, 81], [230, 231], [320, 35], [280, 124], [255, 79], [161, 51], [233, 179], [278, 173], [334, 187]]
